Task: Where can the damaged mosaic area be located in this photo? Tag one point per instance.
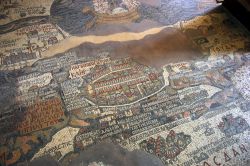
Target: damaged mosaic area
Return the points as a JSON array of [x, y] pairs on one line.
[[93, 90]]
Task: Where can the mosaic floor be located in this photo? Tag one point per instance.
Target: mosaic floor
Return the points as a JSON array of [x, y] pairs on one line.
[[123, 83]]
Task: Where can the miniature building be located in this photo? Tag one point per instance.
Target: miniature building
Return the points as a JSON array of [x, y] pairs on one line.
[[52, 40]]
